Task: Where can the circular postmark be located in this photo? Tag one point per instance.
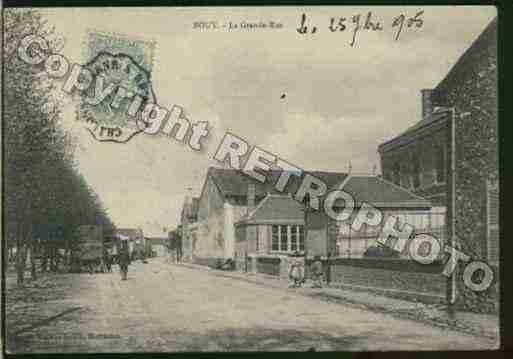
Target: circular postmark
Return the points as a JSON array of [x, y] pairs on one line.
[[119, 73]]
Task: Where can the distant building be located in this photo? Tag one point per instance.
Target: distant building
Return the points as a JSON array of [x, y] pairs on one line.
[[185, 234], [157, 245], [136, 240]]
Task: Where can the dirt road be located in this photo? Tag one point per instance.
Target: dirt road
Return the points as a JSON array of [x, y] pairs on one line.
[[163, 307]]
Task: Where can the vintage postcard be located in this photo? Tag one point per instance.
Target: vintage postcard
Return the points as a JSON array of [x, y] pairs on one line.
[[250, 179]]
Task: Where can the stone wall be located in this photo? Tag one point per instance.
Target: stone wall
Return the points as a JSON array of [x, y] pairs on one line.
[[390, 275], [471, 88]]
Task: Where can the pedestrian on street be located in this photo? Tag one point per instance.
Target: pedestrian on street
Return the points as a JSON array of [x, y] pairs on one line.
[[316, 272], [124, 259], [296, 270]]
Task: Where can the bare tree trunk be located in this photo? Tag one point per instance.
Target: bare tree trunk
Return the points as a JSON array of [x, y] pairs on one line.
[[33, 260], [44, 257], [53, 257], [20, 263], [57, 258]]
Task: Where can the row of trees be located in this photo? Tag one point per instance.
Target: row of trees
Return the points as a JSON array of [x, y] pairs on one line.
[[46, 198]]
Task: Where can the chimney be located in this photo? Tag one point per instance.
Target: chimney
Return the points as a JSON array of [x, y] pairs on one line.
[[251, 195], [427, 104]]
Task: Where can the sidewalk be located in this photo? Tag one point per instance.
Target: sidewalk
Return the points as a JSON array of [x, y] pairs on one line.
[[433, 314]]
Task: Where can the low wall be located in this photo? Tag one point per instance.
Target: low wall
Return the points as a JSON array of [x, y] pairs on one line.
[[405, 279], [268, 265], [390, 274]]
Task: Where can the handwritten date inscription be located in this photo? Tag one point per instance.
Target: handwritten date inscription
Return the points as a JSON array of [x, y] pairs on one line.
[[359, 22]]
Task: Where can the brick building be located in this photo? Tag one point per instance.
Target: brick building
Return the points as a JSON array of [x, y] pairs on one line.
[[417, 158], [460, 120], [470, 88]]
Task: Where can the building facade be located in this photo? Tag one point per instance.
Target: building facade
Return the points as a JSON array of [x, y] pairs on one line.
[[417, 159], [156, 246], [274, 228], [185, 232], [470, 88], [228, 196], [459, 121]]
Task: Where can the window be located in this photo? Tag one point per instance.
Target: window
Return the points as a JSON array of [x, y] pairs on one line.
[[275, 246], [301, 237], [293, 239], [288, 238], [283, 238], [257, 239], [492, 214], [440, 164]]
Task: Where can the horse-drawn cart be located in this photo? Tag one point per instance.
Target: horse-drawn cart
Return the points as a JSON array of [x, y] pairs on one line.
[[91, 249]]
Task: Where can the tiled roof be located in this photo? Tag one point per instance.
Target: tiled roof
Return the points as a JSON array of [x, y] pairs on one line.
[[235, 183], [440, 115], [364, 188], [379, 192], [276, 209]]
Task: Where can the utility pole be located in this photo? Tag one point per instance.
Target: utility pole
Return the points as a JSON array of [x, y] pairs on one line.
[[451, 300]]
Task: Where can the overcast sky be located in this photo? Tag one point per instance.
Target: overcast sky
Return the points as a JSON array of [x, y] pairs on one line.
[[340, 101]]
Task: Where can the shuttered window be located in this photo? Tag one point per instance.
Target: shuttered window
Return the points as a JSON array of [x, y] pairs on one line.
[[492, 214]]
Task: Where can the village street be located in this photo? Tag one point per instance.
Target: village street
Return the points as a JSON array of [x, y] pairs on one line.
[[164, 307]]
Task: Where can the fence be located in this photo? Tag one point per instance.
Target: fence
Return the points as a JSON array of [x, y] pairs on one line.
[[354, 244]]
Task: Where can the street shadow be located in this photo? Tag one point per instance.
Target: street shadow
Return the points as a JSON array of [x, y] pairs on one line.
[[15, 340], [262, 339]]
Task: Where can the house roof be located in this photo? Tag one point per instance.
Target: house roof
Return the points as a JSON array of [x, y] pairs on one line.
[[232, 182], [381, 193], [282, 207], [440, 115], [276, 209]]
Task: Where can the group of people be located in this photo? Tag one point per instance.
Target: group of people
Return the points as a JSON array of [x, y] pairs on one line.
[[297, 271]]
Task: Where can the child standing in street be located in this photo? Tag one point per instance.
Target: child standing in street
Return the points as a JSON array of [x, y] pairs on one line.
[[296, 270], [317, 272]]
